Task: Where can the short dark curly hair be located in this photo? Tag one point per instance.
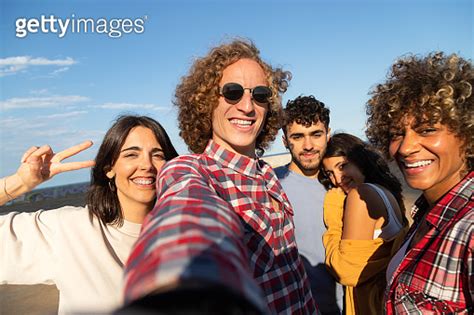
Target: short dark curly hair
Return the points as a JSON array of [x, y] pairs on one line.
[[197, 94], [305, 110], [435, 88]]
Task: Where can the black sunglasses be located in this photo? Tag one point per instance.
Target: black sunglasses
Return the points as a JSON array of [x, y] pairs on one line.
[[234, 92]]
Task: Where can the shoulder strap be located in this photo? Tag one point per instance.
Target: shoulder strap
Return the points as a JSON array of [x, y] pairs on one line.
[[387, 203]]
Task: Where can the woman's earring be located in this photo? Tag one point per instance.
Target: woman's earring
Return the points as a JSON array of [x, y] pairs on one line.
[[111, 185]]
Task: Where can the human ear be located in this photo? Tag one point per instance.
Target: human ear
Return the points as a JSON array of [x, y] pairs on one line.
[[110, 174]]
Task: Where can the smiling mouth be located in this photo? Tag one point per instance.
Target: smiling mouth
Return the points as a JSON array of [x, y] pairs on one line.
[[417, 164], [242, 122], [144, 181]]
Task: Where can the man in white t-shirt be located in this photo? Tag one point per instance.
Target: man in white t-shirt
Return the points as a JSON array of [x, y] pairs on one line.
[[306, 132]]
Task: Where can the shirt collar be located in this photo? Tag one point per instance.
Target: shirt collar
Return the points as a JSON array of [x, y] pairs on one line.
[[446, 208], [250, 167], [239, 163]]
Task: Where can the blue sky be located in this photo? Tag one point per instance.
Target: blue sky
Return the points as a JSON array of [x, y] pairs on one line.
[[61, 91]]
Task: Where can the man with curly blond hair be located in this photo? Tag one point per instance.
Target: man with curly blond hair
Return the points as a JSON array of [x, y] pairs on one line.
[[305, 135], [220, 239], [422, 116]]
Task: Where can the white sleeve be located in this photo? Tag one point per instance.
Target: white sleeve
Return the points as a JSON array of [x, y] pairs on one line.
[[27, 247]]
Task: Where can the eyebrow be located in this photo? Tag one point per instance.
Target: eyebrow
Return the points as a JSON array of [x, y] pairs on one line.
[[318, 131], [135, 148]]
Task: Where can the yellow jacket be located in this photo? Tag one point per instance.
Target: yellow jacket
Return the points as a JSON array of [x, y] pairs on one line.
[[359, 265]]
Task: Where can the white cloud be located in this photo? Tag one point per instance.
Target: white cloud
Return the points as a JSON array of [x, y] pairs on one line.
[[41, 102], [58, 71], [65, 115], [58, 133], [13, 65], [28, 61], [131, 106], [39, 92], [10, 70], [18, 126], [11, 122]]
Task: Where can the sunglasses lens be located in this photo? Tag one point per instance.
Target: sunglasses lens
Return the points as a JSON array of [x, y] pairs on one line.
[[235, 91], [232, 91], [261, 94]]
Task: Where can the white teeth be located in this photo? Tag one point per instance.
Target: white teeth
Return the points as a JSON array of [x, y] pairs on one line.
[[419, 163], [143, 181], [241, 122]]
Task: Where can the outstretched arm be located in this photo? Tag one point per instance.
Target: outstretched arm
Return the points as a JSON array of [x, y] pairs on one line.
[[190, 245], [38, 165]]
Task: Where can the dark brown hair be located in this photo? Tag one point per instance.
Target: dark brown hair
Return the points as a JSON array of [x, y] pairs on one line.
[[100, 199], [306, 110], [197, 95], [367, 159]]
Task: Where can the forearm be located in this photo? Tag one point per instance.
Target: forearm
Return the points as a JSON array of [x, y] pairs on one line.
[[333, 214], [191, 235], [12, 187], [331, 242], [184, 243]]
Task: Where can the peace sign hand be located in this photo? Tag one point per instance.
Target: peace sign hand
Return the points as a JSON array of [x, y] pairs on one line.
[[41, 164]]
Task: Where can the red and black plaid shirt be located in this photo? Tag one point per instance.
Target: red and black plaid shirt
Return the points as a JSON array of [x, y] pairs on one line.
[[224, 218], [437, 274]]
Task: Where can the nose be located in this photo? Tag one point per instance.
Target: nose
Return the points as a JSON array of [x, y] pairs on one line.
[[308, 144], [338, 176], [146, 162], [246, 104], [408, 144]]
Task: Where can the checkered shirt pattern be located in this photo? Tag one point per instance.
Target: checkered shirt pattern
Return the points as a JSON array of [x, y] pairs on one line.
[[223, 218], [437, 274]]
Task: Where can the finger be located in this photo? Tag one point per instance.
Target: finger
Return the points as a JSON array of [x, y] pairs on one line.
[[71, 166], [36, 160], [41, 152], [35, 164], [28, 153], [58, 157], [39, 160]]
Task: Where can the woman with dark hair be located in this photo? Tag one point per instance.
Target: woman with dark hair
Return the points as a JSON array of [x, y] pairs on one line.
[[364, 215], [82, 250]]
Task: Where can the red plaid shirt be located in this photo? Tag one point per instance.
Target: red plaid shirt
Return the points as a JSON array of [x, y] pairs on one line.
[[224, 218], [436, 275]]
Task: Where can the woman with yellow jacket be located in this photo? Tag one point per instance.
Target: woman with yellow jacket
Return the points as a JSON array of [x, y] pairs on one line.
[[364, 215]]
